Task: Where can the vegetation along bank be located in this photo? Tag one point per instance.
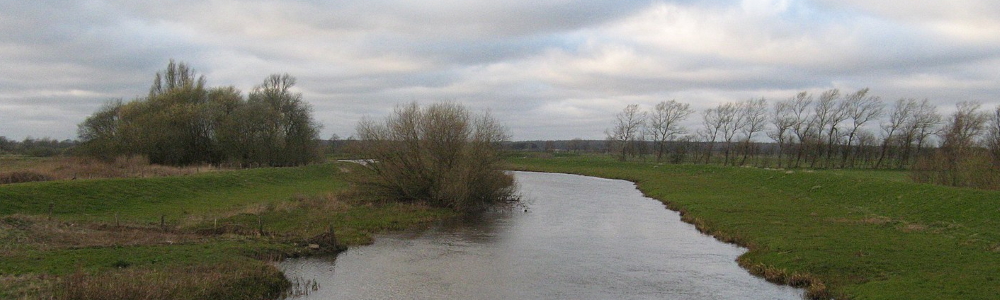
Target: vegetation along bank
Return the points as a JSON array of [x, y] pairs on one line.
[[203, 236]]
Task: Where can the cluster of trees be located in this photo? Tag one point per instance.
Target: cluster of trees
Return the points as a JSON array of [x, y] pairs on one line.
[[183, 122], [43, 147], [441, 154], [828, 130]]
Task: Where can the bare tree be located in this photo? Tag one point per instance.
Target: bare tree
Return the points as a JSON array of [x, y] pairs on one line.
[[902, 112], [803, 126], [441, 154], [664, 124], [712, 122], [177, 76], [959, 136], [861, 108], [754, 115], [783, 119], [920, 127], [627, 130], [829, 114], [867, 147], [993, 139], [732, 121]]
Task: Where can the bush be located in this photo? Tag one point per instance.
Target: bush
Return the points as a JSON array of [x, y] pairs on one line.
[[441, 154], [23, 176]]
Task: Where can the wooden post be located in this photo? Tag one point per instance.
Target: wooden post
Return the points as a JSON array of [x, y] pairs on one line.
[[117, 223], [332, 236], [215, 225], [163, 222], [51, 206], [260, 225]]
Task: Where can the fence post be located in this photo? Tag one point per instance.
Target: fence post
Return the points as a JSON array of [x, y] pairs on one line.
[[260, 225]]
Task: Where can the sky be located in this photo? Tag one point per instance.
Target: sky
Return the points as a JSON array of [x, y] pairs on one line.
[[548, 69]]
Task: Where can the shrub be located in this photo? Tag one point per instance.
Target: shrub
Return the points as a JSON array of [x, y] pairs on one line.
[[441, 154], [23, 176]]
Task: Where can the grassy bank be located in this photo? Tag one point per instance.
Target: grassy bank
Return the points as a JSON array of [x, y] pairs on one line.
[[841, 234], [209, 235]]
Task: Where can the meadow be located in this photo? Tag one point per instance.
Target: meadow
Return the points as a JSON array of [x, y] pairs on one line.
[[840, 234], [208, 235]]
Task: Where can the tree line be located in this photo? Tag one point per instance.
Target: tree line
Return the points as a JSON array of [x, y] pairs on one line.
[[184, 122], [43, 147], [826, 130]]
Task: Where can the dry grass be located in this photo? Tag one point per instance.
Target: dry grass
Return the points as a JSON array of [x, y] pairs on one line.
[[913, 227], [20, 232], [871, 220], [229, 281], [29, 286], [67, 168], [815, 289]]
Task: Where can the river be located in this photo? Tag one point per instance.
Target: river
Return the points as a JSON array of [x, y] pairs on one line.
[[580, 238]]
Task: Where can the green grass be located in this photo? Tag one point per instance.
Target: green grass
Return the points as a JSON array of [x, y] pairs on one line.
[[864, 235], [150, 198], [213, 222]]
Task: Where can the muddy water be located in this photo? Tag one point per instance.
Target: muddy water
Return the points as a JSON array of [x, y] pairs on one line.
[[581, 238]]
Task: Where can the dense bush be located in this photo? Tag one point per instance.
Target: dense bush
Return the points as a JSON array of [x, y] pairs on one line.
[[440, 154]]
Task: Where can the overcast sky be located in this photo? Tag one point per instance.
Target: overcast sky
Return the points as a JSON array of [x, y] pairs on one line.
[[549, 69]]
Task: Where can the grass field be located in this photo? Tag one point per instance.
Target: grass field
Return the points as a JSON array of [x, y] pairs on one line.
[[209, 235], [843, 234]]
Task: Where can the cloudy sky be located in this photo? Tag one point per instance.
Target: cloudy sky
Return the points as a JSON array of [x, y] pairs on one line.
[[549, 69]]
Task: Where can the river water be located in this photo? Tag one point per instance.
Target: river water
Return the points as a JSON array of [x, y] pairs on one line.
[[580, 238]]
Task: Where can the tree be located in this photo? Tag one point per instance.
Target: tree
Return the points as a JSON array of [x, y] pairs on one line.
[[803, 125], [664, 123], [959, 136], [754, 115], [578, 145], [861, 109], [441, 154], [292, 135], [100, 132], [902, 112], [182, 122], [993, 139], [731, 119], [922, 124], [712, 121], [783, 118], [829, 113], [627, 131]]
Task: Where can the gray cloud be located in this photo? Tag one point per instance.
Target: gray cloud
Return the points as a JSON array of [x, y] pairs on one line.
[[550, 69]]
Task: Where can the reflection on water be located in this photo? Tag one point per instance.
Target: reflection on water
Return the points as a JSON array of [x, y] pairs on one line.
[[581, 238]]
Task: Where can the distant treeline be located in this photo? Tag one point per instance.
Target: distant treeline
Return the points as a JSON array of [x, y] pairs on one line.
[[183, 122], [43, 147], [829, 130]]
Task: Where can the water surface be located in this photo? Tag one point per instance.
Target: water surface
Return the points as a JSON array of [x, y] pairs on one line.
[[581, 238]]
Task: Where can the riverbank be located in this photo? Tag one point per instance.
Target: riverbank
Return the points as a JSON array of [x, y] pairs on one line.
[[840, 234], [209, 236]]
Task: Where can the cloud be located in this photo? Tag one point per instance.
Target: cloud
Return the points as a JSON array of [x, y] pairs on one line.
[[552, 69]]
